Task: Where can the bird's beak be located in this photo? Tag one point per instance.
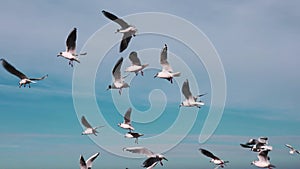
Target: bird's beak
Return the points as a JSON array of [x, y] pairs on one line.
[[165, 159], [155, 76]]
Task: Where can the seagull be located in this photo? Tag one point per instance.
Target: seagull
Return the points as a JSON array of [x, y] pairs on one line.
[[70, 52], [87, 164], [214, 159], [136, 65], [89, 129], [167, 72], [191, 100], [133, 135], [292, 149], [257, 145], [263, 160], [127, 30], [152, 159], [118, 79], [23, 78], [127, 122]]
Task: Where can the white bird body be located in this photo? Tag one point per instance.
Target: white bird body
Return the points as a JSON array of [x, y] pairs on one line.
[[127, 121], [131, 30], [263, 160], [88, 128], [119, 82], [167, 71], [24, 80], [126, 126], [152, 159], [88, 163]]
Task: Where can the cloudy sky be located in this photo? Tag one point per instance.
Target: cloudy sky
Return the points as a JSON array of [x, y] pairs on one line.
[[256, 42]]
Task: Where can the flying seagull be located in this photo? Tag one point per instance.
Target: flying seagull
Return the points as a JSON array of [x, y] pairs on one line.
[[89, 129], [136, 65], [191, 100], [292, 149], [133, 135], [23, 78], [214, 159], [88, 163], [118, 79], [257, 145], [167, 71], [70, 52], [127, 30], [127, 122], [263, 160], [152, 159]]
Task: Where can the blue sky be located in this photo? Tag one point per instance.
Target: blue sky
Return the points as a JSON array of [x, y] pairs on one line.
[[257, 42]]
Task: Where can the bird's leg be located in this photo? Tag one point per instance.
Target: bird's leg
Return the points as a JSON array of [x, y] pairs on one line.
[[171, 80], [120, 91], [29, 86], [136, 73], [161, 163], [142, 73], [136, 141]]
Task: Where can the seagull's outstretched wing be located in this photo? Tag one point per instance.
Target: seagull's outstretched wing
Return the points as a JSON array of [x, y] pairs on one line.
[[125, 41], [186, 89], [263, 156], [246, 146], [71, 41], [117, 70], [114, 18], [134, 59], [139, 150], [85, 122], [209, 154], [82, 163], [289, 146], [150, 162], [41, 78], [163, 60], [127, 116], [89, 162], [13, 70]]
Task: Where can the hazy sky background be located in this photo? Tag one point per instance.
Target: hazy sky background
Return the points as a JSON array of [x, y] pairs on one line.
[[258, 43]]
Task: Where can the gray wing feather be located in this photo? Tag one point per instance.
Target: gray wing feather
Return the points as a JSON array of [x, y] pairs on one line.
[[134, 59], [127, 116], [139, 150], [89, 162], [114, 18], [117, 69], [85, 122], [13, 70], [163, 59], [41, 78], [186, 89], [209, 154]]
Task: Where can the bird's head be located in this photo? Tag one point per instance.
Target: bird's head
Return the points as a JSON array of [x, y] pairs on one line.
[[109, 87], [59, 54], [181, 104], [155, 75], [118, 30]]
